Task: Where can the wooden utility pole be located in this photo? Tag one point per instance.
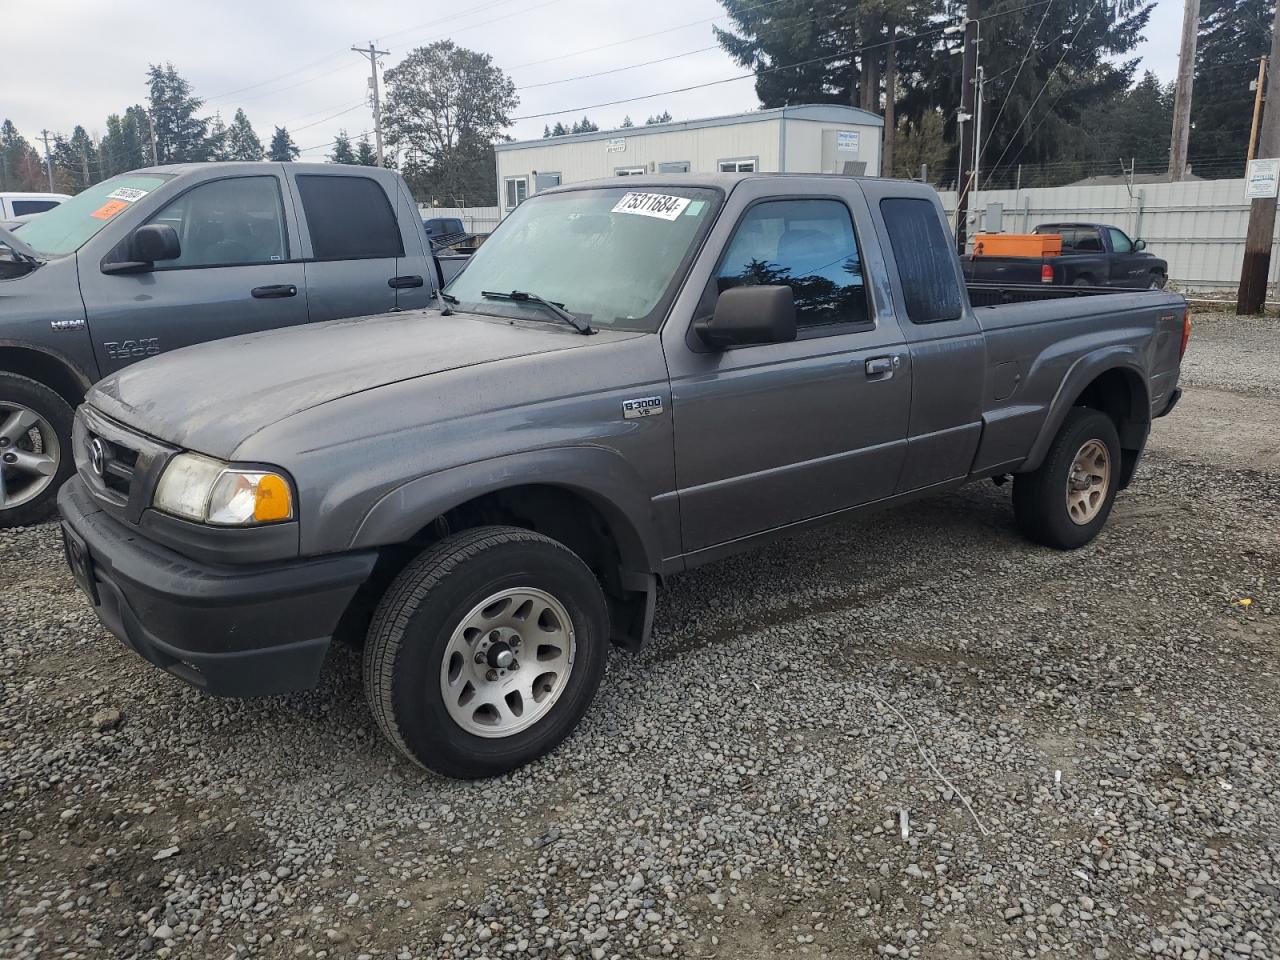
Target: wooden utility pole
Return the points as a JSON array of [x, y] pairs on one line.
[[373, 53], [1182, 92], [1258, 97], [1262, 212], [48, 160], [968, 99]]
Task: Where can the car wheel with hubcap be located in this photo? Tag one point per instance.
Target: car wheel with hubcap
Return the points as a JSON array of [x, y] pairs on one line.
[[35, 456], [1066, 501], [486, 651]]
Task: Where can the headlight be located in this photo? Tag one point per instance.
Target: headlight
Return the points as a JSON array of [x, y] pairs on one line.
[[200, 488]]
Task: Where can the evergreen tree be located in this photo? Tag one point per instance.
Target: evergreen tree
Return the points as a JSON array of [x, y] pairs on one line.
[[1233, 35], [123, 146], [181, 136], [584, 126], [20, 166], [242, 142], [217, 138], [546, 131], [663, 117], [365, 154], [627, 122], [342, 152], [920, 142], [75, 161], [559, 130], [282, 149]]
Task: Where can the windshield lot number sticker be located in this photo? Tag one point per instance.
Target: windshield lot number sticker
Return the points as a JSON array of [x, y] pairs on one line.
[[643, 407], [127, 194], [109, 209], [652, 205]]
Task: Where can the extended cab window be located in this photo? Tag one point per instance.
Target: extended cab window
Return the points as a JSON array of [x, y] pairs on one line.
[[22, 208], [350, 218], [809, 245], [926, 264], [229, 222]]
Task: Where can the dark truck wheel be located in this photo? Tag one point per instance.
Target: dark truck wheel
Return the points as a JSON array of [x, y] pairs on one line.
[[486, 651], [35, 449], [1067, 500]]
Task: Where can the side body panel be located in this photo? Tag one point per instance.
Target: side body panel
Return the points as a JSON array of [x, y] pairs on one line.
[[773, 434], [42, 311]]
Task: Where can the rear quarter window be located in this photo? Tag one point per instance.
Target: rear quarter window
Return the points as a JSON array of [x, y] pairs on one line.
[[349, 218], [922, 251]]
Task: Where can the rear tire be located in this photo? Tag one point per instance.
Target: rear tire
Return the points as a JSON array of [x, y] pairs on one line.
[[1083, 282], [451, 621], [1066, 501], [35, 449]]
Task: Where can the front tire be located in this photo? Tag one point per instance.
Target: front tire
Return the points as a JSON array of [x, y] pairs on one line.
[[35, 449], [1066, 501], [486, 651]]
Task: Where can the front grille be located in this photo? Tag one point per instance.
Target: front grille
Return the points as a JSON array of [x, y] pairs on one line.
[[119, 465]]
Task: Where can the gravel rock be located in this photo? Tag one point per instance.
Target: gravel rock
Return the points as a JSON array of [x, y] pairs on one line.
[[1107, 719]]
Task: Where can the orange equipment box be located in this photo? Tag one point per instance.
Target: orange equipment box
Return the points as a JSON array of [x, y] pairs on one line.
[[1017, 245]]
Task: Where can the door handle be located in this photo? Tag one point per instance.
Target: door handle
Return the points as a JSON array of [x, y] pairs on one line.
[[882, 367], [274, 291], [399, 283]]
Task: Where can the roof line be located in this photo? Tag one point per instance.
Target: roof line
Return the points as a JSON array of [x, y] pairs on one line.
[[790, 112]]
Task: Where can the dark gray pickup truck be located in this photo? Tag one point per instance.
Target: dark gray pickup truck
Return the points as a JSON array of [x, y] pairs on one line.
[[632, 381], [169, 256], [1093, 255]]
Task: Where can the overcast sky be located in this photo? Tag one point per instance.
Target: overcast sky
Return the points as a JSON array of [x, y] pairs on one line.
[[288, 61]]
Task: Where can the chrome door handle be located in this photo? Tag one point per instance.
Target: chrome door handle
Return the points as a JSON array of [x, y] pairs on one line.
[[883, 367]]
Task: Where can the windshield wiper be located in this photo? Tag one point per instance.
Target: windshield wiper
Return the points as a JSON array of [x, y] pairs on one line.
[[449, 298], [556, 309]]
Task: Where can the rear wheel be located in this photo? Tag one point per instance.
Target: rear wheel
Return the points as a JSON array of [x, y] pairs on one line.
[[1066, 502], [1158, 280], [35, 449], [486, 651], [1083, 282]]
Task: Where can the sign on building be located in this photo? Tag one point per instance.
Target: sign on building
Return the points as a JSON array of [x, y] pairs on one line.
[[847, 140], [616, 145], [1263, 179]]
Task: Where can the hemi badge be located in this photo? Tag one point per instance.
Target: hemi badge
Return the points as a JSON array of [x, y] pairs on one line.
[[77, 324], [642, 407]]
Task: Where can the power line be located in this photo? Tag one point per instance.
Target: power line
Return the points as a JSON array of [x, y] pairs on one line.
[[1014, 82], [1027, 116], [844, 54], [634, 66], [316, 123]]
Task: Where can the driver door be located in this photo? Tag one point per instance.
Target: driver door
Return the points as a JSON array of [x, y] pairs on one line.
[[237, 274]]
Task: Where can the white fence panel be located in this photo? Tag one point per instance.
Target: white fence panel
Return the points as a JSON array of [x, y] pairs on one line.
[[1198, 226], [475, 219]]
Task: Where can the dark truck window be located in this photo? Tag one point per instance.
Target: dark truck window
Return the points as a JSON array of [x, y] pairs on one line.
[[923, 253], [22, 208], [807, 244], [239, 220], [350, 218]]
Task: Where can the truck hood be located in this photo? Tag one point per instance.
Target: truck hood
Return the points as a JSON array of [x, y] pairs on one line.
[[214, 396]]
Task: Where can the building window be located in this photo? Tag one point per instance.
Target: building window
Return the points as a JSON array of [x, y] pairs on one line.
[[739, 165], [545, 181], [674, 166], [517, 191], [630, 171]]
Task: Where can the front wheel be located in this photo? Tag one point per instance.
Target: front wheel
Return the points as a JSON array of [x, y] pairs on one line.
[[1066, 501], [35, 449], [486, 651]]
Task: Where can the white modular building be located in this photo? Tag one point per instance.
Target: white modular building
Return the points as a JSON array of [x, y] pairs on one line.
[[808, 138]]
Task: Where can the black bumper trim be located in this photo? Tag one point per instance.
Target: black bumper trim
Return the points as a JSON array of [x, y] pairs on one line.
[[1173, 402], [232, 631]]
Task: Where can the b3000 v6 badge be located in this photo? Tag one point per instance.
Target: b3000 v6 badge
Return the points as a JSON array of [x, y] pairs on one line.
[[642, 407]]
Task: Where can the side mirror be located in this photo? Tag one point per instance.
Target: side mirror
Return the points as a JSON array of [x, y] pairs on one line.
[[1139, 244], [155, 241], [750, 315]]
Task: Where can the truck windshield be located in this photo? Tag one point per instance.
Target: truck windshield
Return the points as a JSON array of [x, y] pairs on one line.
[[611, 256], [69, 226]]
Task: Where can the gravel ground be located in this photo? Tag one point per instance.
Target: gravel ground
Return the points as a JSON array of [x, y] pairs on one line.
[[761, 782]]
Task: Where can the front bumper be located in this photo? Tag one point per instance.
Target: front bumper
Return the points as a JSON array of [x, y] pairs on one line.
[[242, 631]]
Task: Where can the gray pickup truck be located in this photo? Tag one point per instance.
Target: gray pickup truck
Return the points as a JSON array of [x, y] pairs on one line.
[[626, 382], [169, 256]]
